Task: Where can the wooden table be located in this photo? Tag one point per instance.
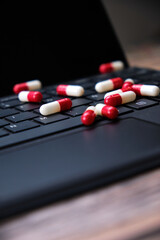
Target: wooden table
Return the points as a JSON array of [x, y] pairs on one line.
[[127, 210]]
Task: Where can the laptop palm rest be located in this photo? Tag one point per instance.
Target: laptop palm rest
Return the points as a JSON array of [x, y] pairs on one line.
[[75, 162]]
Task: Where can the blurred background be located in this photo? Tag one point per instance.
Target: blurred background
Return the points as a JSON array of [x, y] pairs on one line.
[[137, 24]]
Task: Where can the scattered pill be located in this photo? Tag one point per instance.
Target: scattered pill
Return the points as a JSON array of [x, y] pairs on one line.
[[70, 90], [146, 90], [108, 85], [88, 117], [30, 96], [106, 111], [27, 86], [111, 67], [56, 106], [127, 85], [120, 98]]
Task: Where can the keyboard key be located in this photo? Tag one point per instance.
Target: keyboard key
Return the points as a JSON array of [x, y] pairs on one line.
[[51, 99], [89, 92], [141, 103], [96, 97], [45, 95], [7, 112], [124, 110], [3, 133], [80, 101], [8, 98], [28, 107], [21, 117], [157, 98], [9, 104], [76, 111], [40, 131], [51, 119], [88, 85], [21, 126], [3, 122]]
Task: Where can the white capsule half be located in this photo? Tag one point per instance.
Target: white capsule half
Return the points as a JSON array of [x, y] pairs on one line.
[[50, 108], [76, 91], [118, 65], [23, 96], [34, 85], [129, 80], [150, 90]]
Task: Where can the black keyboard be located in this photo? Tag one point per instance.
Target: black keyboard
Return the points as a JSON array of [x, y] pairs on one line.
[[21, 122]]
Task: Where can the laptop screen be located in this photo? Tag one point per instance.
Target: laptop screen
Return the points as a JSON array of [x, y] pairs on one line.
[[53, 42]]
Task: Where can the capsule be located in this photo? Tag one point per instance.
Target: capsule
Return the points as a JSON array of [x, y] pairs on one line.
[[120, 98], [146, 90], [111, 67], [106, 111], [88, 117], [70, 90], [27, 86], [108, 85], [56, 106], [127, 85], [30, 96]]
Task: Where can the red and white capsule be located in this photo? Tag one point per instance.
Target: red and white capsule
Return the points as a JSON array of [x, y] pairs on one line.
[[70, 90], [88, 117], [56, 106], [120, 98], [108, 85], [127, 85], [30, 96], [27, 86], [106, 111], [146, 90], [111, 67]]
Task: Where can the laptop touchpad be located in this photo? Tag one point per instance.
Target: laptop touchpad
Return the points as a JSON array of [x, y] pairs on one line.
[[75, 157]]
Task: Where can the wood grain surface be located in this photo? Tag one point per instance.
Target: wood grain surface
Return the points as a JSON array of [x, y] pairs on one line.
[[127, 210]]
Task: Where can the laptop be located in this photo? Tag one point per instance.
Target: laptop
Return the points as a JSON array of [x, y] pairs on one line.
[[52, 158]]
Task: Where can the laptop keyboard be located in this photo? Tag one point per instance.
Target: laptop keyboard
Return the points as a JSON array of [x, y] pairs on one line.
[[21, 122]]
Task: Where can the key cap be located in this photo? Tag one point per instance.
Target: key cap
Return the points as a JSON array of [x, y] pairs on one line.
[[7, 112], [45, 95], [10, 104], [3, 122], [21, 126], [28, 107], [89, 92], [141, 103], [21, 117], [51, 99], [3, 133], [51, 119], [8, 98], [80, 101], [123, 110], [96, 97], [157, 98], [40, 131], [76, 111]]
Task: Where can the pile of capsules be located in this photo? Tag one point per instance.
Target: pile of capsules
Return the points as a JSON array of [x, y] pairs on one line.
[[126, 91]]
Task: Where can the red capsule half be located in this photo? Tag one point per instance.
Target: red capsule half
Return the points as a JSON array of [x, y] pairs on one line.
[[88, 117], [106, 111]]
